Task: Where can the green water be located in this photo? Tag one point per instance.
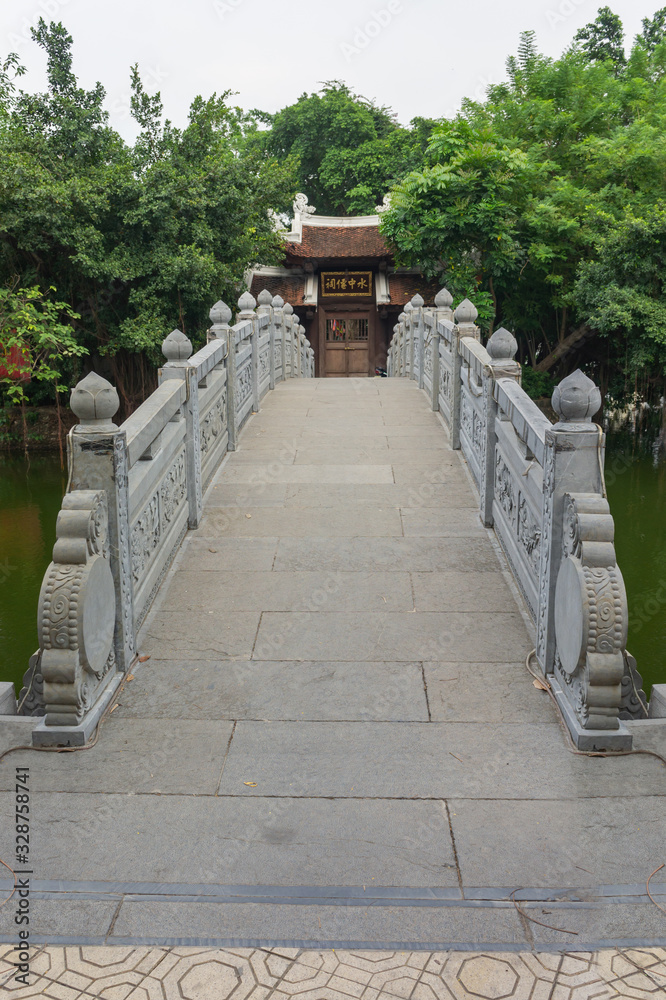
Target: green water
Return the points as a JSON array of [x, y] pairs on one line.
[[31, 492], [30, 497], [636, 486]]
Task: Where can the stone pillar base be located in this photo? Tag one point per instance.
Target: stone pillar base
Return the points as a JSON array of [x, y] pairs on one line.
[[76, 736], [589, 739]]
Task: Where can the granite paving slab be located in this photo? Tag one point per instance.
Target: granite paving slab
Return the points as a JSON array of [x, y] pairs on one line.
[[476, 638], [290, 591], [206, 634], [294, 691], [499, 762], [134, 754], [239, 841], [423, 495], [467, 555], [597, 840], [294, 522], [458, 591]]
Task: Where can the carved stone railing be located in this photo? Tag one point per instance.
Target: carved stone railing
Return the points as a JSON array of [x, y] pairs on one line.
[[541, 489], [134, 491]]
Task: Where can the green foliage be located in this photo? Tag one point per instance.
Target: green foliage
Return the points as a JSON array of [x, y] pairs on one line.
[[549, 195], [349, 150], [136, 239], [34, 340], [537, 384], [603, 39]]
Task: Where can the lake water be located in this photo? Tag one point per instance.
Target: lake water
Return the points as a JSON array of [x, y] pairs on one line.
[[31, 492]]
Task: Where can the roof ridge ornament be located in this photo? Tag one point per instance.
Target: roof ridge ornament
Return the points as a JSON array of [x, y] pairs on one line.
[[301, 206]]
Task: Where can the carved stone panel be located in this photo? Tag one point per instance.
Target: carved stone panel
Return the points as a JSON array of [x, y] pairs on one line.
[[213, 423], [529, 535], [505, 490], [243, 385]]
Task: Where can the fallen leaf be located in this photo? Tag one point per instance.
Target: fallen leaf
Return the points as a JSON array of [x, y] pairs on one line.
[[212, 550], [252, 784], [113, 710], [130, 677], [248, 515], [142, 659], [539, 684]]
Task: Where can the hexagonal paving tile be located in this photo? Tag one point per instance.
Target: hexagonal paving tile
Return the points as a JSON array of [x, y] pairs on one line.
[[210, 979], [487, 977]]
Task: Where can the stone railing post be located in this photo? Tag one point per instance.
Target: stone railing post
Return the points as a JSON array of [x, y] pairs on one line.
[[583, 616], [418, 327], [464, 317], [288, 315], [502, 348], [403, 344], [409, 333], [246, 311], [177, 348], [220, 315], [443, 302], [277, 304], [99, 461], [295, 333]]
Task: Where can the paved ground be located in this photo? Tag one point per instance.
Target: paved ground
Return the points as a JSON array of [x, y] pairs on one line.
[[335, 742], [130, 973]]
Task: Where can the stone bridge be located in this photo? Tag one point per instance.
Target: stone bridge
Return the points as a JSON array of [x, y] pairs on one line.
[[342, 639]]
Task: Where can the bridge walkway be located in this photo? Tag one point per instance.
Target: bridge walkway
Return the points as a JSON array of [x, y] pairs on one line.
[[334, 738]]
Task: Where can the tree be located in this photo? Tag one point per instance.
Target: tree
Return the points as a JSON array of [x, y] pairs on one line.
[[603, 39], [654, 31], [349, 150], [136, 239], [532, 197]]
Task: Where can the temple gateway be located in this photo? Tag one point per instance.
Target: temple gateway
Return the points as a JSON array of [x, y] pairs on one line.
[[339, 275]]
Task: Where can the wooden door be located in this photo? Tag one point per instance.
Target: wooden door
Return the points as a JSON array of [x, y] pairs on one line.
[[346, 345]]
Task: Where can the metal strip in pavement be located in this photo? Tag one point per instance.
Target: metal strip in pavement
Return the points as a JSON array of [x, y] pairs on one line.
[[336, 895]]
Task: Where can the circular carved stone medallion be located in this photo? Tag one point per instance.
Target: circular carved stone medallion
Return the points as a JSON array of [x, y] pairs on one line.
[[97, 621], [571, 615]]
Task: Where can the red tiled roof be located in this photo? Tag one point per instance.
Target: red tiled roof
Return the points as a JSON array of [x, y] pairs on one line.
[[403, 287], [290, 288], [339, 241]]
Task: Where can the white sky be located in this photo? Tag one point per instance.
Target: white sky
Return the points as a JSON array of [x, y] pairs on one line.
[[423, 58]]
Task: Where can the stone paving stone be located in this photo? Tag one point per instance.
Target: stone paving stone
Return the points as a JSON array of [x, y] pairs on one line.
[[294, 522], [316, 474], [241, 841], [485, 692], [455, 591], [452, 495], [50, 918], [265, 495], [208, 635], [396, 636], [485, 761], [247, 555], [373, 926], [133, 754], [415, 472], [371, 456], [617, 924], [231, 591], [567, 842], [276, 690], [442, 523], [401, 554]]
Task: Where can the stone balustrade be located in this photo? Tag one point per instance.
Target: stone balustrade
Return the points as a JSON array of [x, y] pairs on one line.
[[541, 489], [134, 491]]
